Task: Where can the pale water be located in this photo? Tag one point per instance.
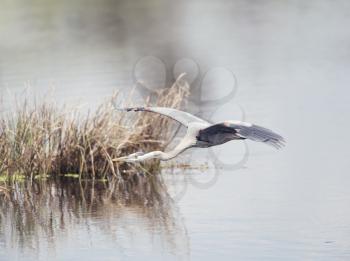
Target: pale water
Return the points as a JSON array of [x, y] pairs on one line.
[[291, 60]]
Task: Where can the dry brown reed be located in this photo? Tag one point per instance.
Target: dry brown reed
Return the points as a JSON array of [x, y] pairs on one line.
[[44, 139]]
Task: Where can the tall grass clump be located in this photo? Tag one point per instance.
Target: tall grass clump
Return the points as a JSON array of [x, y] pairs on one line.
[[46, 139]]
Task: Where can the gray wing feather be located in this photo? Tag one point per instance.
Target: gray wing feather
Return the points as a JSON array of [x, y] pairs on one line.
[[182, 117], [257, 133]]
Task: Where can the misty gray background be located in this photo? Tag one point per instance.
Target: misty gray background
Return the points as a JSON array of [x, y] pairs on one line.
[[292, 63]]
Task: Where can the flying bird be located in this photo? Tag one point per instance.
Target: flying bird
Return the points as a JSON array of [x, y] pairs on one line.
[[202, 134]]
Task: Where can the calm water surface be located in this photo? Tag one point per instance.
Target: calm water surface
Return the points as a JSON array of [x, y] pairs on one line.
[[292, 64]]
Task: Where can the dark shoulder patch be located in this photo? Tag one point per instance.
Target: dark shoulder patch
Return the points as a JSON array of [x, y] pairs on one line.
[[217, 134]]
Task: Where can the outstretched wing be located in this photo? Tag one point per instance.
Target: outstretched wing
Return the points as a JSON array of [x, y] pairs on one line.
[[256, 133], [182, 117], [242, 130]]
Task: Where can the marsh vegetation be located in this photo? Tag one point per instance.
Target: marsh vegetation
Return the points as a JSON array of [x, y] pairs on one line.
[[41, 139]]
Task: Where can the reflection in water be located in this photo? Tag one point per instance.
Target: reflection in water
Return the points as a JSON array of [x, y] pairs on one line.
[[47, 212]]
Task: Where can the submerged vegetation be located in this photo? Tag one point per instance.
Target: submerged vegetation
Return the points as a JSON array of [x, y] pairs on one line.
[[42, 140]]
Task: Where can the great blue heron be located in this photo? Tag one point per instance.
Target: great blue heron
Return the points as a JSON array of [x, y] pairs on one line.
[[203, 134]]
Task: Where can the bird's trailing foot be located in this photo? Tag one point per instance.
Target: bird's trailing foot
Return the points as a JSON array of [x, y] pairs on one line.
[[130, 158]]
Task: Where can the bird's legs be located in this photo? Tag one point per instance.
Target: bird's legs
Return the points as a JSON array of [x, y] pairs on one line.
[[149, 155], [130, 158], [187, 142], [140, 156]]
